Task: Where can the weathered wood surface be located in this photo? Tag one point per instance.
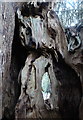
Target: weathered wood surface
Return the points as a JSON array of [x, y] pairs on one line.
[[47, 39], [32, 95]]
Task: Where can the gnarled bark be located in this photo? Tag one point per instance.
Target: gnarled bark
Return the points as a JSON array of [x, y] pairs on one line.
[[34, 47]]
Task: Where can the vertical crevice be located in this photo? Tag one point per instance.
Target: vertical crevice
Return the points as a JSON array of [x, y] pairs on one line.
[[35, 77], [18, 57]]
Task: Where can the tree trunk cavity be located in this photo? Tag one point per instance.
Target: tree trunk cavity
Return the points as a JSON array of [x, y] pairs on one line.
[[33, 50]]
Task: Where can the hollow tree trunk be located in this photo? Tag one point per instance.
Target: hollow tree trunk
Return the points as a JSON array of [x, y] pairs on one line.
[[33, 51]]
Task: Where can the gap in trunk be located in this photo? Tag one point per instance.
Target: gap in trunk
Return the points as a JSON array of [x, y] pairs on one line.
[[18, 57]]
